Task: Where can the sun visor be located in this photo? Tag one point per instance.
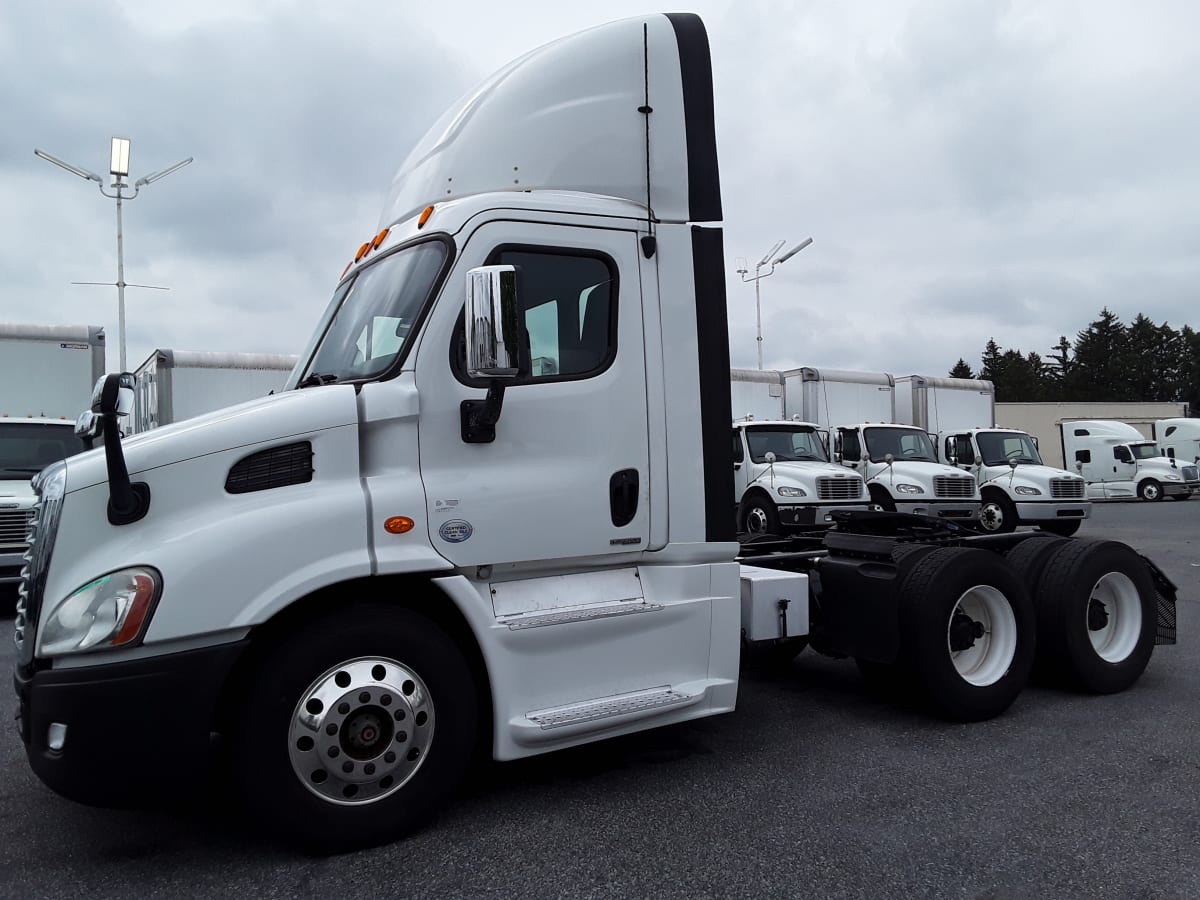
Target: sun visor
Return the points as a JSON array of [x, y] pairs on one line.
[[568, 116]]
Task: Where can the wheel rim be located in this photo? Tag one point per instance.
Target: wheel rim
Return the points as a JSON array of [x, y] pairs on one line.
[[361, 731], [1114, 617], [756, 520], [991, 516], [981, 635], [1150, 491]]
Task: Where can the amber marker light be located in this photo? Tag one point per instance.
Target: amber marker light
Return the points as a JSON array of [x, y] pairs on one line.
[[379, 238], [399, 525], [425, 214], [362, 251]]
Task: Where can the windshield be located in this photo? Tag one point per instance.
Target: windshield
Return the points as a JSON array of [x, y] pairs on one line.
[[1144, 451], [27, 448], [367, 324], [789, 443], [903, 443], [999, 448]]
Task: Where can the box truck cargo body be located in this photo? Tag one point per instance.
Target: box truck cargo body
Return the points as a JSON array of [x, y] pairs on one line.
[[1015, 487], [173, 385]]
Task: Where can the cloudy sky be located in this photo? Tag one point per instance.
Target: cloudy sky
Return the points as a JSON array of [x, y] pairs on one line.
[[967, 170]]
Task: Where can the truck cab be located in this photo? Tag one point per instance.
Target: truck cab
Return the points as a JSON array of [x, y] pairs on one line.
[[1117, 461], [903, 473], [27, 445], [1179, 439], [1015, 487], [784, 481]]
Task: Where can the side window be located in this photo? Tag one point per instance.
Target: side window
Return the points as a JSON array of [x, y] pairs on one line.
[[570, 304], [851, 452], [738, 454], [1083, 456], [962, 449]]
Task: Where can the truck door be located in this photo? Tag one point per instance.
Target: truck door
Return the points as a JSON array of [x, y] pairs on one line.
[[567, 475]]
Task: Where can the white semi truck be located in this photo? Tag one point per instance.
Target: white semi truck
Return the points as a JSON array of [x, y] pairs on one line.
[[1178, 438], [46, 378], [173, 385], [1015, 487], [899, 462], [420, 549], [783, 479], [1117, 462]]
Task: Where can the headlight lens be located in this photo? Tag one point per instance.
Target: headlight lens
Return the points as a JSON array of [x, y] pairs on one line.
[[105, 613], [910, 489], [788, 491], [1027, 490], [1172, 478]]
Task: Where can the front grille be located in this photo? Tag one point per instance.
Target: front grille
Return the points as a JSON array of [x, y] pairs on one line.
[[14, 525], [839, 488], [1066, 488], [954, 486], [42, 530], [1191, 473]]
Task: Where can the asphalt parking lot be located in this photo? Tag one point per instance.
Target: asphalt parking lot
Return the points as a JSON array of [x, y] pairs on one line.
[[812, 787]]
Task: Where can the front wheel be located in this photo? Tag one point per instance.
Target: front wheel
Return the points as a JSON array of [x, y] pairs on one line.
[[355, 728], [1150, 490], [758, 516], [997, 514]]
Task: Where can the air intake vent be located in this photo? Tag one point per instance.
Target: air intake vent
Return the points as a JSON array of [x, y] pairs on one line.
[[1066, 488], [277, 467], [954, 486], [1190, 473]]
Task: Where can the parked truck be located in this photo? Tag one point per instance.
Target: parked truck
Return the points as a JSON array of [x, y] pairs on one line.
[[783, 479], [1178, 438], [900, 465], [1117, 462], [173, 385], [46, 378], [420, 549], [1015, 487]]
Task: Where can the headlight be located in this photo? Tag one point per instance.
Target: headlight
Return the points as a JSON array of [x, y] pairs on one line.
[[791, 492], [108, 612], [1027, 490], [910, 489], [1172, 478]]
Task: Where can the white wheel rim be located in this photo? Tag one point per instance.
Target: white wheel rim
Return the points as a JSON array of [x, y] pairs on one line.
[[987, 660], [1116, 639], [756, 521], [992, 516]]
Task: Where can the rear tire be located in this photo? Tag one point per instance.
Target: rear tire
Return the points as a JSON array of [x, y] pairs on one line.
[[1065, 527], [967, 632], [354, 729], [1097, 616]]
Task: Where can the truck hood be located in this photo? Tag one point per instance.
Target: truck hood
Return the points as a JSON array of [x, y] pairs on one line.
[[1027, 475], [919, 472], [14, 490], [1162, 466], [291, 414], [800, 474]]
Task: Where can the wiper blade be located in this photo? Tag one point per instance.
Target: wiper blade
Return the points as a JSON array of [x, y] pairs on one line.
[[316, 380]]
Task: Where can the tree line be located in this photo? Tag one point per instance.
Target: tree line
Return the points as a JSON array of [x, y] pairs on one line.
[[1108, 361]]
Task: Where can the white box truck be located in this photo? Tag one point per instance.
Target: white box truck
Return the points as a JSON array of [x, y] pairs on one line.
[[1178, 438], [783, 479], [413, 555], [899, 462], [46, 378], [173, 385], [1117, 462], [1015, 487]]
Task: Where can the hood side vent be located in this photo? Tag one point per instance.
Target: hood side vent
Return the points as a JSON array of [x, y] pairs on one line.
[[277, 467]]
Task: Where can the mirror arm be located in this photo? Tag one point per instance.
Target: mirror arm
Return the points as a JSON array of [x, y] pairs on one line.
[[127, 502], [478, 418]]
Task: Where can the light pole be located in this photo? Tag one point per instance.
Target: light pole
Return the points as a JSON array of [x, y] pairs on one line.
[[119, 169], [769, 258]]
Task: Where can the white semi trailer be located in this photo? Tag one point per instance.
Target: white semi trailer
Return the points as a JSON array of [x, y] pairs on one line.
[[46, 378], [425, 548], [1117, 462], [1178, 438], [173, 385], [1015, 487]]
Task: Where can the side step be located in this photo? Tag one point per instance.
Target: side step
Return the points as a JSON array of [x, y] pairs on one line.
[[595, 715]]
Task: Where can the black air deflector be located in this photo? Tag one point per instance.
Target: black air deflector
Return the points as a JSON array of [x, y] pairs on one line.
[[277, 467]]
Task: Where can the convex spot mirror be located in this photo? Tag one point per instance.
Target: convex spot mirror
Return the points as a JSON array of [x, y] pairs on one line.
[[88, 425], [493, 322], [113, 395]]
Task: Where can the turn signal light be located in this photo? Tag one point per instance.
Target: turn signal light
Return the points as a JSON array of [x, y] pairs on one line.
[[425, 214], [362, 251], [399, 525], [379, 239]]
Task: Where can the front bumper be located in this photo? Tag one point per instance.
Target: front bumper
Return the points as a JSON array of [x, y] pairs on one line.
[[1177, 489], [136, 731], [1054, 512], [808, 518], [965, 510]]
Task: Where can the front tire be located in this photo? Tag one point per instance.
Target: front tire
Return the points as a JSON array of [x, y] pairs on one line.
[[758, 515], [997, 514], [355, 728], [1150, 490]]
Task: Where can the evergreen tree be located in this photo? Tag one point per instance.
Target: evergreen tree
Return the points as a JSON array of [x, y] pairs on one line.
[[961, 370], [1144, 361], [1100, 357], [1055, 370], [990, 361]]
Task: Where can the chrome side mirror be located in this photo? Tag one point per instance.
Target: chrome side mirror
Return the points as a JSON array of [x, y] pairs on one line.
[[88, 426], [113, 395], [493, 323]]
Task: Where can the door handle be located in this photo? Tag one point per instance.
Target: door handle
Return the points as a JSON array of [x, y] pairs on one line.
[[623, 496]]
